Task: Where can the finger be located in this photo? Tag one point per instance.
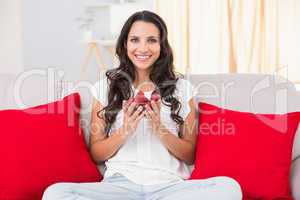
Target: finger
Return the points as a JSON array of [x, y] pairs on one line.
[[136, 113], [150, 112], [130, 100], [158, 103], [155, 107], [147, 115], [131, 108], [139, 117], [126, 103]]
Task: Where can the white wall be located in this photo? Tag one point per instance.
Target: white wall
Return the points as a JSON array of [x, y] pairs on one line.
[[11, 57], [52, 35], [41, 34]]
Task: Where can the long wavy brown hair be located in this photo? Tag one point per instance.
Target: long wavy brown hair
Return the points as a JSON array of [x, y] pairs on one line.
[[162, 73]]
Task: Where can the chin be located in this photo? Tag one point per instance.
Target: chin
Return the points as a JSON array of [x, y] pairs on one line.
[[143, 67]]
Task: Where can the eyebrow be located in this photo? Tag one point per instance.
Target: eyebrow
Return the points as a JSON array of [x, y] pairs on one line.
[[149, 37]]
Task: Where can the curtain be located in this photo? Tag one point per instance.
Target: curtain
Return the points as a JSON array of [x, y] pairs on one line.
[[238, 36], [253, 36], [289, 39], [175, 14], [234, 36]]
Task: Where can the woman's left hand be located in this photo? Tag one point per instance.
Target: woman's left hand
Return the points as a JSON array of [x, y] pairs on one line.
[[153, 114]]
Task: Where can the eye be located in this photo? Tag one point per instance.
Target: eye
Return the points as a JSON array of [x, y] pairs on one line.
[[152, 40], [134, 40]]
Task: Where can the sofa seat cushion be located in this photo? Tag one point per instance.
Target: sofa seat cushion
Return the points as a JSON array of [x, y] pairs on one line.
[[254, 149], [41, 146]]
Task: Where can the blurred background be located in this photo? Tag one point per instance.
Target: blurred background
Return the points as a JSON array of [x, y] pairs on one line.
[[207, 36]]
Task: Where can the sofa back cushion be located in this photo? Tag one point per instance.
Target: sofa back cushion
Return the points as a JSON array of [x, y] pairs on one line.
[[254, 149], [254, 93], [41, 146]]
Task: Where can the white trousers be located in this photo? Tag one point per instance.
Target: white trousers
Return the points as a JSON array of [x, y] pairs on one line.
[[119, 187]]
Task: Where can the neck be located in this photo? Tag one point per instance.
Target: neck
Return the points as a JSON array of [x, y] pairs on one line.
[[141, 77]]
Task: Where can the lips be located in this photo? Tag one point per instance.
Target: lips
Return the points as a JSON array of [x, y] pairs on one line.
[[142, 57]]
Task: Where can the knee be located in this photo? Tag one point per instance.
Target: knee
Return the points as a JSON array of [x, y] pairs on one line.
[[55, 190], [232, 189]]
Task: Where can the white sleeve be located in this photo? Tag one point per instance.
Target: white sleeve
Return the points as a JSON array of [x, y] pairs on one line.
[[185, 92], [100, 91]]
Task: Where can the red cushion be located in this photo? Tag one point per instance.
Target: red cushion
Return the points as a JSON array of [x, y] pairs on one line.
[[40, 146], [254, 149]]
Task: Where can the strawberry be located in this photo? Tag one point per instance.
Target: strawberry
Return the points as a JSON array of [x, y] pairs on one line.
[[155, 96], [140, 98]]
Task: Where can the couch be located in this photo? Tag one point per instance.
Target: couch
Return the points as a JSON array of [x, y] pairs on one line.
[[243, 92]]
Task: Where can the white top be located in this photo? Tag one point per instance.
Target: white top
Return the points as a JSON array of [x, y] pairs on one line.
[[143, 159]]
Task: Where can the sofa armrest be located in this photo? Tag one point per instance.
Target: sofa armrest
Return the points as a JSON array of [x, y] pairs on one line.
[[295, 179], [296, 145]]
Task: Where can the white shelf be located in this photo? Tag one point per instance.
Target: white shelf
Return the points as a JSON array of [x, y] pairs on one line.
[[97, 4], [113, 15], [107, 43]]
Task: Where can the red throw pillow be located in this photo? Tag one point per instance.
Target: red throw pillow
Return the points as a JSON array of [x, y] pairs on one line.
[[40, 146], [254, 149]]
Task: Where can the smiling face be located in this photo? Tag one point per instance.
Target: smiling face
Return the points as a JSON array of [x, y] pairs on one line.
[[143, 45]]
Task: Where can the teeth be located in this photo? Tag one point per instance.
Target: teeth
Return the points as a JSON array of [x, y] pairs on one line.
[[142, 57]]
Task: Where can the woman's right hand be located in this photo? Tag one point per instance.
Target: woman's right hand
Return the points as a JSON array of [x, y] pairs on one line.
[[132, 116]]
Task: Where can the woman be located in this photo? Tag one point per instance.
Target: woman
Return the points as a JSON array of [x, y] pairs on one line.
[[147, 145]]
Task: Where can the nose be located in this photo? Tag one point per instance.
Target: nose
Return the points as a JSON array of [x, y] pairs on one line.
[[143, 47]]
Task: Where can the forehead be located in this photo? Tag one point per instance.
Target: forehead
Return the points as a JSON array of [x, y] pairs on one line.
[[143, 29]]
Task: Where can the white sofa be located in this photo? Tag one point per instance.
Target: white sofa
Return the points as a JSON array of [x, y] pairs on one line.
[[243, 92]]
